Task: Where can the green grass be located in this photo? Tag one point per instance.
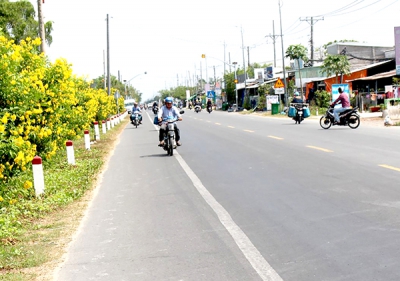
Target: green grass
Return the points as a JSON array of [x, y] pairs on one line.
[[31, 228]]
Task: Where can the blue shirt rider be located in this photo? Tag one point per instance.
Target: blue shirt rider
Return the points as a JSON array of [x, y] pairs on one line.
[[168, 110], [137, 109]]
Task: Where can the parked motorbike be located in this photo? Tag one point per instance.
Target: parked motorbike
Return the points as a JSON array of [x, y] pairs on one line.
[[155, 109], [209, 109], [197, 108], [349, 117], [135, 119]]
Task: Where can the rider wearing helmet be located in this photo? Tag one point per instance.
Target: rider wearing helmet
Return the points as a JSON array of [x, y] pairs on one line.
[[168, 110], [135, 108], [209, 103], [296, 98]]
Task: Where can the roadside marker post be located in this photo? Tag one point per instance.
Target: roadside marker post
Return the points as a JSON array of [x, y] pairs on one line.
[[87, 140], [108, 124], [70, 152], [103, 126], [96, 131], [38, 178]]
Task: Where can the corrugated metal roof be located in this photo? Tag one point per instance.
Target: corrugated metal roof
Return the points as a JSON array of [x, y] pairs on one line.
[[376, 76]]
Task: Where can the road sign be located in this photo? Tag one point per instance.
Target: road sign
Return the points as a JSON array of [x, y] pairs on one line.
[[279, 83]]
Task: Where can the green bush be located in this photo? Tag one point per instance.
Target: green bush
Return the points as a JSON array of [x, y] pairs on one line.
[[322, 99]]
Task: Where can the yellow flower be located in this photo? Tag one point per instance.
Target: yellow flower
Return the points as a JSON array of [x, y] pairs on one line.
[[4, 120], [27, 184], [1, 199], [13, 201]]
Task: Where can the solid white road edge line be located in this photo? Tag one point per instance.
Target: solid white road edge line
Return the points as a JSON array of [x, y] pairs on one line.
[[257, 261], [262, 267]]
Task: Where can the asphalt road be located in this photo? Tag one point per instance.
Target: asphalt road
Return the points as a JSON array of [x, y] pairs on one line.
[[245, 198]]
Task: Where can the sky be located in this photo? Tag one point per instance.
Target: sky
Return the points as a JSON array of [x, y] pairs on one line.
[[166, 38]]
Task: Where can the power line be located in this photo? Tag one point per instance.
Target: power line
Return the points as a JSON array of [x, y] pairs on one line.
[[352, 4]]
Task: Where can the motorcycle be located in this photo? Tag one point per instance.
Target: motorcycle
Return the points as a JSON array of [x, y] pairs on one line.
[[209, 109], [169, 136], [197, 108], [135, 119], [349, 117], [298, 111], [155, 109]]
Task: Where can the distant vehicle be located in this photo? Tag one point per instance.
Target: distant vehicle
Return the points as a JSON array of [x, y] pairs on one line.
[[129, 104]]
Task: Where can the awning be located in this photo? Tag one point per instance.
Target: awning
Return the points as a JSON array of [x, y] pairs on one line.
[[376, 76], [273, 80], [252, 86]]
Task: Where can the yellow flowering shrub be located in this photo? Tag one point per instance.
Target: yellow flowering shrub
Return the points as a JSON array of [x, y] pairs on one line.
[[42, 104]]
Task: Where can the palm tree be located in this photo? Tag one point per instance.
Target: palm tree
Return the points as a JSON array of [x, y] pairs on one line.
[[336, 64], [297, 52]]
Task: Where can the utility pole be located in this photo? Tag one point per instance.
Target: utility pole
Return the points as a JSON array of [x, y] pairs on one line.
[[248, 56], [244, 63], [41, 26], [311, 21], [215, 79], [201, 77], [229, 62], [108, 59], [104, 70], [224, 59], [283, 57], [273, 36]]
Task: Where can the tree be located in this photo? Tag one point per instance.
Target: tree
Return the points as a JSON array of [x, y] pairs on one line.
[[336, 64], [17, 21], [297, 52]]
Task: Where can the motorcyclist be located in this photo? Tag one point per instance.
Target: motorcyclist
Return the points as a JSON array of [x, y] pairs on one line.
[[296, 98], [137, 109], [209, 103], [155, 104], [342, 99], [197, 103], [168, 111]]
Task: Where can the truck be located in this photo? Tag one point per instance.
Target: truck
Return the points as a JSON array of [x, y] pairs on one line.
[[128, 103]]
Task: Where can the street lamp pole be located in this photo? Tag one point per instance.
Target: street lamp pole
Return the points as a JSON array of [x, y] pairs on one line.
[[127, 81]]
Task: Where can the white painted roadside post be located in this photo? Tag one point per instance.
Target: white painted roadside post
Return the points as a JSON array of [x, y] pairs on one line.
[[108, 124], [112, 122], [87, 140], [38, 178], [103, 126], [70, 152], [96, 131]]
